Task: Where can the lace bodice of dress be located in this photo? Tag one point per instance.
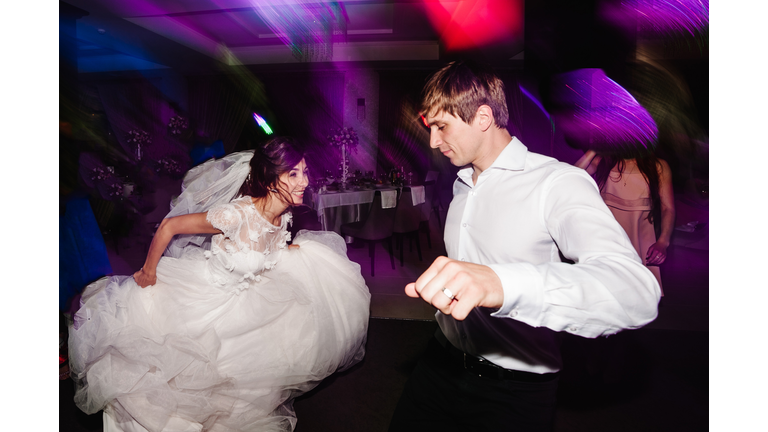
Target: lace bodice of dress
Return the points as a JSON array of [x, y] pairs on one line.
[[245, 230], [247, 246]]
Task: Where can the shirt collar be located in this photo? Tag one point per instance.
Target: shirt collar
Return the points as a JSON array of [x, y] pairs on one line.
[[511, 158]]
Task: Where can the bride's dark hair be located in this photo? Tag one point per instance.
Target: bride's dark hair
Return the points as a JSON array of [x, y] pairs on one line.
[[277, 156]]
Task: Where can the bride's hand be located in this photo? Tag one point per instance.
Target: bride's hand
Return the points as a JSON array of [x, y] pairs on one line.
[[144, 278], [293, 246]]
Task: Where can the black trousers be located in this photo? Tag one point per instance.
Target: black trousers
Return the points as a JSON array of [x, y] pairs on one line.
[[442, 396]]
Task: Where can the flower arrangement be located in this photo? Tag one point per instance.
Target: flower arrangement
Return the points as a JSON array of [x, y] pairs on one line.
[[169, 166], [115, 190], [111, 186], [100, 174], [139, 137], [178, 124], [346, 137]]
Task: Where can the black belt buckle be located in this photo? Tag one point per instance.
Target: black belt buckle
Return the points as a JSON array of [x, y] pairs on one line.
[[482, 367], [486, 369]]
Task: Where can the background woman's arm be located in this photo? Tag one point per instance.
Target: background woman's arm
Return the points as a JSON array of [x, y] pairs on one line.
[[657, 253], [196, 223], [588, 162]]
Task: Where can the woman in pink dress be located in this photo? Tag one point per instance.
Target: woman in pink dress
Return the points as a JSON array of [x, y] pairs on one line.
[[639, 194]]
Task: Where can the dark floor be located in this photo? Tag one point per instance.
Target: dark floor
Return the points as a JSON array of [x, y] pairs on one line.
[[645, 380], [641, 380], [652, 379]]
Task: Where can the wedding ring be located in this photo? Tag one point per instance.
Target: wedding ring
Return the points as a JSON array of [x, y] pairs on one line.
[[448, 293]]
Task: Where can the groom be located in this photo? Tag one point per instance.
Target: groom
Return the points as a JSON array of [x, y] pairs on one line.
[[503, 292]]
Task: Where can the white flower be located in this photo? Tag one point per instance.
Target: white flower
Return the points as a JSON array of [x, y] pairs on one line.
[[242, 286], [207, 254], [269, 264]]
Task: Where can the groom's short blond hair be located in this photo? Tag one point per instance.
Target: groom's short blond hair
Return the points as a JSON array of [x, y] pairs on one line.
[[460, 88]]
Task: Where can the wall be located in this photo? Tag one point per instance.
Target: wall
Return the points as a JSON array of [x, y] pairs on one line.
[[362, 84]]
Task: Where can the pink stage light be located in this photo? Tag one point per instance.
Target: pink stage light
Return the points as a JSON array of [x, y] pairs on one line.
[[469, 24]]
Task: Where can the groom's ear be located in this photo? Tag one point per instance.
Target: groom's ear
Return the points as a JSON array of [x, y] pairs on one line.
[[484, 117]]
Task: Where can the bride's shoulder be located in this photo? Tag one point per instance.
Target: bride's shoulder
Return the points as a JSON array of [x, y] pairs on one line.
[[242, 201]]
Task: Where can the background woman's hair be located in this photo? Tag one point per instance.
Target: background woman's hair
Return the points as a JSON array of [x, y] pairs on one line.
[[277, 156]]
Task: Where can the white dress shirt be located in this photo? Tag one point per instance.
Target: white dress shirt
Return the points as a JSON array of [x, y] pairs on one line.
[[523, 208]]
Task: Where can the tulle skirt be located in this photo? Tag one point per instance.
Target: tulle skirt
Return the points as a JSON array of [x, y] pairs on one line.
[[186, 355]]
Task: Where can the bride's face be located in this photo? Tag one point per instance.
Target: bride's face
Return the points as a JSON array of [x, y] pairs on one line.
[[295, 181]]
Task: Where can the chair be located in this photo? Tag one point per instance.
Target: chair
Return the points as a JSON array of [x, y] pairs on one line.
[[407, 221], [377, 226], [433, 202], [426, 210]]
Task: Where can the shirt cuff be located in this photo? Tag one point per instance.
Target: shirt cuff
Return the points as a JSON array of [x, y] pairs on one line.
[[523, 292]]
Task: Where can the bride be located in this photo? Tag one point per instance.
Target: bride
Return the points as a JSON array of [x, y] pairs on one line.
[[224, 325]]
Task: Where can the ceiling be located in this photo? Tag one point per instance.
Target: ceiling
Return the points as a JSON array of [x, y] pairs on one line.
[[194, 36]]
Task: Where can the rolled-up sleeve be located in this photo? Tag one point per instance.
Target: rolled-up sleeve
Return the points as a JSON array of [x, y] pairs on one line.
[[607, 289]]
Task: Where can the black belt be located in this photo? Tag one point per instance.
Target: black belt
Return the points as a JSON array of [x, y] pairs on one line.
[[487, 369]]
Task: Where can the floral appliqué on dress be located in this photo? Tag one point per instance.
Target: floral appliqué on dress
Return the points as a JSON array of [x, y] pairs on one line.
[[244, 231]]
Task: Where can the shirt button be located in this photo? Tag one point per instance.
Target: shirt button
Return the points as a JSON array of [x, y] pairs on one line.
[[572, 329], [513, 313], [464, 225]]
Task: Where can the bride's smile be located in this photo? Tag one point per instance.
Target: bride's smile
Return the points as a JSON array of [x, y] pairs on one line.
[[295, 181]]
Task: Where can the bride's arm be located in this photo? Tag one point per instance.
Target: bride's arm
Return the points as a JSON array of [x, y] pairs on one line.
[[196, 223]]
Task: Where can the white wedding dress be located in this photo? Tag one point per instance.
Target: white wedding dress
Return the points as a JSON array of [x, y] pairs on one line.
[[227, 337]]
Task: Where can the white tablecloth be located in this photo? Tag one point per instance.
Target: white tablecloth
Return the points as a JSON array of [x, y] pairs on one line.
[[388, 196], [326, 200], [418, 195], [337, 208]]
